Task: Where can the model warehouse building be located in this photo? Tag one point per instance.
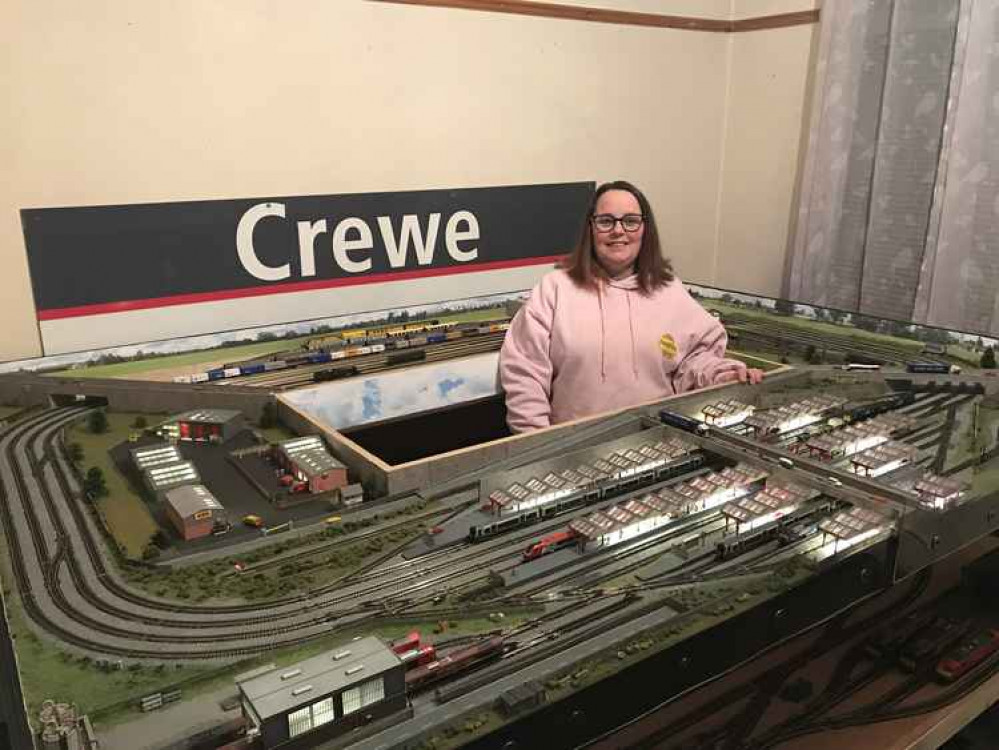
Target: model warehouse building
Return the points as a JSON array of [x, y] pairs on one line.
[[194, 511], [324, 696], [203, 425], [307, 459]]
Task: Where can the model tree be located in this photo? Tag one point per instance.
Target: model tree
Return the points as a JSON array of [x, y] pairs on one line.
[[268, 415], [97, 422], [988, 361], [93, 483], [75, 452], [784, 307], [140, 422]]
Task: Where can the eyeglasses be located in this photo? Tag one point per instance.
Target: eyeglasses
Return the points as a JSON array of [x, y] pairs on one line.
[[629, 222]]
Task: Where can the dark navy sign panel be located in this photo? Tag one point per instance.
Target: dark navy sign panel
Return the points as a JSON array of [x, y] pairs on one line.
[[91, 260]]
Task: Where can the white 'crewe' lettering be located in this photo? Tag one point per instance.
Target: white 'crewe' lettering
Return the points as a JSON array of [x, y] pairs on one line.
[[244, 243], [342, 246], [410, 230], [452, 236], [307, 233], [353, 236]]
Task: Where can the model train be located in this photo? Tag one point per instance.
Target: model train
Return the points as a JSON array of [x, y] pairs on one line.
[[860, 366], [938, 638], [683, 422], [940, 368], [880, 406], [335, 373], [737, 544], [968, 654], [455, 662], [412, 652], [590, 493], [395, 330], [550, 543], [406, 343]]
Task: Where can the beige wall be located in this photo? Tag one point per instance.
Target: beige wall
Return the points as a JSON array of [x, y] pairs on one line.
[[111, 101], [768, 83]]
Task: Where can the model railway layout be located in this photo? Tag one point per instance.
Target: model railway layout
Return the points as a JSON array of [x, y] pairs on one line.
[[711, 507], [389, 346], [777, 336]]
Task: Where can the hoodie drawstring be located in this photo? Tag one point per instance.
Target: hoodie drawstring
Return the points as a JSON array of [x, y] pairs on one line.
[[600, 302], [603, 334], [631, 329]]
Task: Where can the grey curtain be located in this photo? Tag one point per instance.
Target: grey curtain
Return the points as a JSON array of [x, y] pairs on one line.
[[898, 202]]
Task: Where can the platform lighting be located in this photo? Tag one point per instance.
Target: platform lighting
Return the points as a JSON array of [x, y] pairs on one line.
[[726, 420], [881, 470], [533, 502], [648, 466], [797, 422], [838, 545], [767, 518], [723, 496]]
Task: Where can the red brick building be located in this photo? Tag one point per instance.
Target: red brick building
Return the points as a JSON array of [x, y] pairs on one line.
[[194, 511], [308, 461]]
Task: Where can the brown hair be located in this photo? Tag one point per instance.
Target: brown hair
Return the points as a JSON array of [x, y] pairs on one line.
[[652, 268]]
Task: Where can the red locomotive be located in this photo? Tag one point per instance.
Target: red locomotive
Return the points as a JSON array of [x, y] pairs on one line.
[[412, 653], [550, 543], [456, 661], [970, 653]]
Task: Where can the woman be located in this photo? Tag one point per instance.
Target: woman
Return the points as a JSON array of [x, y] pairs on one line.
[[612, 327]]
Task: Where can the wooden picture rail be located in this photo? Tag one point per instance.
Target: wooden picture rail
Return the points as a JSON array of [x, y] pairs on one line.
[[620, 17]]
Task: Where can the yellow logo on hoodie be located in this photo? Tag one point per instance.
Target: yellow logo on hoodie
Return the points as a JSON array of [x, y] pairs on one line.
[[667, 345]]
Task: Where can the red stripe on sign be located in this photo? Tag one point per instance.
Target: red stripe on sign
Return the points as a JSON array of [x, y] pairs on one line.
[[105, 308]]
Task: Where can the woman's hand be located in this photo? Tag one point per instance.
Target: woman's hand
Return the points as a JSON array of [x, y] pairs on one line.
[[742, 375]]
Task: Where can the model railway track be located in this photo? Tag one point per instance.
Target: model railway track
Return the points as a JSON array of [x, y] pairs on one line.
[[372, 363], [32, 457], [76, 597], [638, 548], [52, 561], [836, 631], [773, 331], [844, 684]]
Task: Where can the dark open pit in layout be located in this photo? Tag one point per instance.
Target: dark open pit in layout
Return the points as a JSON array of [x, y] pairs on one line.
[[431, 433]]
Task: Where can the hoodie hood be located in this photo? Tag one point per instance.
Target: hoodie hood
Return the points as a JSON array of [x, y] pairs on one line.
[[628, 282]]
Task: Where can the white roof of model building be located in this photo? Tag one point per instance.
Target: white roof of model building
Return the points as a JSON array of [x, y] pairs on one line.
[[285, 689], [191, 499]]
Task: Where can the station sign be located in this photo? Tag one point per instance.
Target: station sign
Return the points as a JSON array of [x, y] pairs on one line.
[[147, 272]]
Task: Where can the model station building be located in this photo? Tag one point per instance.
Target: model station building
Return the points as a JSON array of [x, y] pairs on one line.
[[324, 696], [194, 511], [935, 492], [793, 416], [726, 413], [776, 500], [310, 464], [850, 527], [203, 425], [882, 459], [639, 516], [534, 492], [859, 437]]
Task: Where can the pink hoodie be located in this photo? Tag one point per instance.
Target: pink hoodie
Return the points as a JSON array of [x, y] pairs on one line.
[[571, 352]]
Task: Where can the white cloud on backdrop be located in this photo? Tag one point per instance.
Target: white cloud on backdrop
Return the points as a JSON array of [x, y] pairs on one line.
[[361, 400]]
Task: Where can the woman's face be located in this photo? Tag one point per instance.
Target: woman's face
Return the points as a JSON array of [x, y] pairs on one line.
[[617, 248]]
